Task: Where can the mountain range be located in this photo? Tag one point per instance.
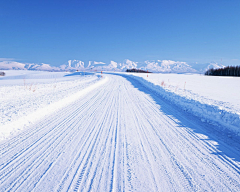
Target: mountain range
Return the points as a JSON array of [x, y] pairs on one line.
[[162, 66]]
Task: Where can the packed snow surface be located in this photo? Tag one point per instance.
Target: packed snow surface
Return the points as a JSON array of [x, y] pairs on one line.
[[110, 132]]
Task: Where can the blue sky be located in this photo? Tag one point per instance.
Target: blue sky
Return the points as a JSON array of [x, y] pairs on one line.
[[54, 31]]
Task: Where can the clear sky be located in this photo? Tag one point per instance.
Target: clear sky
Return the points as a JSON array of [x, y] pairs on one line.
[[54, 31]]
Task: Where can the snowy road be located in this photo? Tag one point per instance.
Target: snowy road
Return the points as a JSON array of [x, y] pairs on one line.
[[119, 137]]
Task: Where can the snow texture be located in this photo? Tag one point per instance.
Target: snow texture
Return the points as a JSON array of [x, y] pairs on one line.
[[110, 132]]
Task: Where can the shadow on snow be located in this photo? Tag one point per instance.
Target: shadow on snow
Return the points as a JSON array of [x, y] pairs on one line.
[[225, 146]]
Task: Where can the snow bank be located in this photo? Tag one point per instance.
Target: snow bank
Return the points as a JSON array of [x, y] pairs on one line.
[[211, 114]]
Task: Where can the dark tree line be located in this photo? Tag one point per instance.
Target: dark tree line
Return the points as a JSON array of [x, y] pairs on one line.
[[137, 71], [226, 71]]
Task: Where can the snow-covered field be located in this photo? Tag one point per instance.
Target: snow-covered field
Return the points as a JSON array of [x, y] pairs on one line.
[[118, 132], [27, 96]]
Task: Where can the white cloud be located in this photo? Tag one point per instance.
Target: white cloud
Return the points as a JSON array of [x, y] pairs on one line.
[[7, 59]]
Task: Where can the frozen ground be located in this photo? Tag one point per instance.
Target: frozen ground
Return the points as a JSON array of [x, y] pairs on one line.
[[111, 133]]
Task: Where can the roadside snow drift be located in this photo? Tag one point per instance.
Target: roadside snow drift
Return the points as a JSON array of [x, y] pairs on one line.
[[214, 100]]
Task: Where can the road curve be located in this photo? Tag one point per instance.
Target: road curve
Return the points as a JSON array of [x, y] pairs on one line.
[[119, 137]]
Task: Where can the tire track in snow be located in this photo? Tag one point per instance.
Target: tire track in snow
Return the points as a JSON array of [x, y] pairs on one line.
[[80, 163], [43, 138]]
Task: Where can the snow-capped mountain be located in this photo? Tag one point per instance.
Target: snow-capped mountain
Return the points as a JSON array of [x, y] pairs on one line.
[[8, 65], [168, 66], [72, 65], [163, 66], [204, 67]]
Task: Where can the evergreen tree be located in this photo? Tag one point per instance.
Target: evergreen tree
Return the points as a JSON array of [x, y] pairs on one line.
[[226, 71]]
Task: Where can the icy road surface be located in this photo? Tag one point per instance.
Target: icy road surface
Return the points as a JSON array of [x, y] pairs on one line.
[[120, 136]]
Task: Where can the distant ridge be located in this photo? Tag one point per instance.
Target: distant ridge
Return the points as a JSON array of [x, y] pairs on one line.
[[162, 66]]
